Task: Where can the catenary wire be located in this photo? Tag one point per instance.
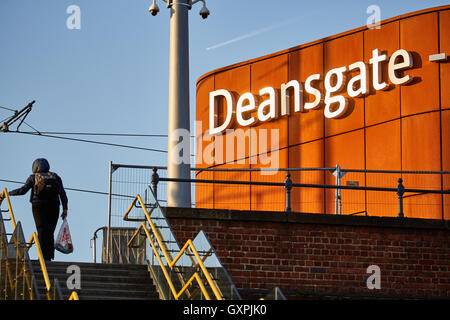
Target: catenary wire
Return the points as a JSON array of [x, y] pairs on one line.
[[9, 109], [103, 134], [77, 189], [54, 135], [94, 142], [91, 141]]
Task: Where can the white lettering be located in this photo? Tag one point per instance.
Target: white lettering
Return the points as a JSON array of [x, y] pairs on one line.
[[406, 63], [271, 103], [285, 97], [315, 92], [211, 311], [376, 70], [361, 79], [329, 111], [213, 106], [242, 109], [247, 113]]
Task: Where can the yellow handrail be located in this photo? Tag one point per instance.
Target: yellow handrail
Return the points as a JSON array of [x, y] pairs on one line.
[[34, 239], [171, 262], [74, 296], [11, 213]]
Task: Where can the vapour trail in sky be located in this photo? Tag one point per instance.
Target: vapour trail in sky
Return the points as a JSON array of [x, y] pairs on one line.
[[253, 33]]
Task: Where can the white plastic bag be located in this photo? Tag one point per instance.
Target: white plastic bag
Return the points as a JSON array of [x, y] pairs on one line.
[[63, 242]]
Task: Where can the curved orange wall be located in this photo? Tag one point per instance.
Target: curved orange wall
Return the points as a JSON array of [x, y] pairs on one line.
[[404, 128]]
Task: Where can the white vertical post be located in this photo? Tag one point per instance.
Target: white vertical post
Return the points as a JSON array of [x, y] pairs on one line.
[[108, 234], [338, 200], [178, 193]]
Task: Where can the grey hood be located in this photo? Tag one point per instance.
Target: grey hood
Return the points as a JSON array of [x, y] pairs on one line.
[[40, 165]]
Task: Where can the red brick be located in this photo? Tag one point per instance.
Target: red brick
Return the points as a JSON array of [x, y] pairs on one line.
[[262, 255]]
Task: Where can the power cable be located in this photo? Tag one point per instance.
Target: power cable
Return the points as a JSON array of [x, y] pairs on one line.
[[103, 134], [78, 190], [90, 141], [24, 112], [9, 109]]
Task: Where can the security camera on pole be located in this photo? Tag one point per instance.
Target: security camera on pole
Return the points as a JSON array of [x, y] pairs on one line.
[[178, 193]]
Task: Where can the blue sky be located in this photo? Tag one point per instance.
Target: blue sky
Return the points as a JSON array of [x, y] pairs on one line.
[[111, 76]]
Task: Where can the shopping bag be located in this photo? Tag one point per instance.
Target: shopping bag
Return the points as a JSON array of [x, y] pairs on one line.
[[63, 242]]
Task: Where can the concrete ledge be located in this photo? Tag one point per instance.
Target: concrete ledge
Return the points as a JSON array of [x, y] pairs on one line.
[[304, 218]]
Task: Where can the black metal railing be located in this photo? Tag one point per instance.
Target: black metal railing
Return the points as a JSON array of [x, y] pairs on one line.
[[400, 190]]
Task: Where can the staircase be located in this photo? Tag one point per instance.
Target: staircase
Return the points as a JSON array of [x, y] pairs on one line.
[[100, 281]]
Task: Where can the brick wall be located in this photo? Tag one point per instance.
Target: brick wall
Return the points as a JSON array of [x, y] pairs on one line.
[[324, 256]]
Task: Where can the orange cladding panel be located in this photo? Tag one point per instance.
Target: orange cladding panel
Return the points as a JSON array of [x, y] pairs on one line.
[[419, 35], [421, 149], [306, 126], [446, 159], [307, 155], [232, 151], [346, 150], [202, 159], [382, 105], [269, 198], [235, 80], [270, 73], [232, 196], [204, 192], [400, 128], [444, 33], [342, 52], [421, 146], [383, 150]]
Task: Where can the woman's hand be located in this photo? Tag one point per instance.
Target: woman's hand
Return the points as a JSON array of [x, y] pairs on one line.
[[64, 214]]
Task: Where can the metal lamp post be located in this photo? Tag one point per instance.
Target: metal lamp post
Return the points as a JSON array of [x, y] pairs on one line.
[[179, 193]]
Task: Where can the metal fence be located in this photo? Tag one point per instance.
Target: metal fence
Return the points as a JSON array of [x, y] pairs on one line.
[[333, 190]]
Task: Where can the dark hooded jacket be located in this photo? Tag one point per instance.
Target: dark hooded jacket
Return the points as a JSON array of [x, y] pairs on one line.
[[40, 165]]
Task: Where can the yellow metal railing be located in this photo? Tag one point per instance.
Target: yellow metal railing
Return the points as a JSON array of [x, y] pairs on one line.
[[4, 195], [74, 296], [189, 246], [34, 239]]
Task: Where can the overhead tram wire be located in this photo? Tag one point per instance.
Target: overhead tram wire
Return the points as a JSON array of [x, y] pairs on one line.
[[52, 134], [43, 134], [102, 134], [9, 109], [78, 190], [90, 141]]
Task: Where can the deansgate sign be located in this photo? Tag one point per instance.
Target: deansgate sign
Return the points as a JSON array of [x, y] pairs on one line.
[[335, 82]]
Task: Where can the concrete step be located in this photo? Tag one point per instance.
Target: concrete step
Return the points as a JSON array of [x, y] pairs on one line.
[[100, 281]]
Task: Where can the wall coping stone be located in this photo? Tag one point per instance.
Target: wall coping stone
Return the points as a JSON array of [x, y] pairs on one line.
[[304, 218]]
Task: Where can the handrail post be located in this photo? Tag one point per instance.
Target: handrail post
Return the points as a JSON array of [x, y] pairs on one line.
[[108, 230], [155, 180], [288, 187], [400, 192]]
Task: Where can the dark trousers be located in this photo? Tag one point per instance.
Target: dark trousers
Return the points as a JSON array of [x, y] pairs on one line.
[[46, 217]]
